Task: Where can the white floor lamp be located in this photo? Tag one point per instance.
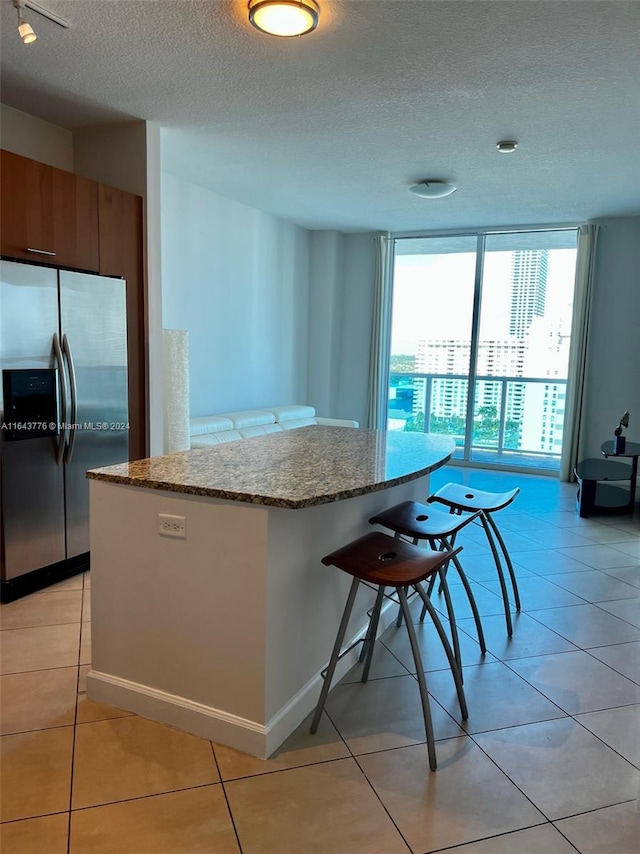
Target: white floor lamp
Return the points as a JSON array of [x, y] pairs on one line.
[[175, 366]]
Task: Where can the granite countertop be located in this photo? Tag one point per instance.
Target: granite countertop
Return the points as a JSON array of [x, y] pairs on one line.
[[294, 469]]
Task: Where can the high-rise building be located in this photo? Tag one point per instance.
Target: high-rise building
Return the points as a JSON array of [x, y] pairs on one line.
[[528, 289], [532, 348]]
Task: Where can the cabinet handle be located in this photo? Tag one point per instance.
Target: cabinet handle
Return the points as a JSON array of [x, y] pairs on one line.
[[41, 252]]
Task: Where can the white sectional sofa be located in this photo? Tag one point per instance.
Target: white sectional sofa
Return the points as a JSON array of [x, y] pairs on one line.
[[207, 430]]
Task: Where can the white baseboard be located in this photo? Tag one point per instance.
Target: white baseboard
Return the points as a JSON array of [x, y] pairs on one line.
[[188, 715], [215, 724]]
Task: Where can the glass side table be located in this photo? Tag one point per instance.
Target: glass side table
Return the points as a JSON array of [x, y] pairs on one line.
[[631, 452], [595, 493]]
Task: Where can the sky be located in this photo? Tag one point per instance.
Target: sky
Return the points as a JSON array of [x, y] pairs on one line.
[[433, 296]]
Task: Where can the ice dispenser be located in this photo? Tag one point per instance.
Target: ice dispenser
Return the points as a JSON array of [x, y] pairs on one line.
[[30, 403]]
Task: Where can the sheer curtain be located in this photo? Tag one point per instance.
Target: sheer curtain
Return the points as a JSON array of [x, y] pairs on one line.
[[380, 334], [577, 376]]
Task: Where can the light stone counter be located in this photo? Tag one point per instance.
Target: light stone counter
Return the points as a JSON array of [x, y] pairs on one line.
[[224, 633]]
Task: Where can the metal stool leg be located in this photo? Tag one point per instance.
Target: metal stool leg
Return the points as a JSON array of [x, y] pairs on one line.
[[457, 678], [373, 630], [505, 552], [452, 618], [470, 596], [424, 696], [367, 638], [415, 541], [503, 586], [335, 654], [472, 599], [444, 587], [432, 580]]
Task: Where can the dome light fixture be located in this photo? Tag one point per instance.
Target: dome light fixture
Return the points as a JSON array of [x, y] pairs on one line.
[[286, 18], [433, 189], [25, 30], [507, 146]]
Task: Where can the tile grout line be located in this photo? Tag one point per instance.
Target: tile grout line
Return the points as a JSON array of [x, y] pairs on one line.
[[226, 797], [75, 721]]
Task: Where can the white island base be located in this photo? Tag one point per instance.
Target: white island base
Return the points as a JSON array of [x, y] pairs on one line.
[[222, 634]]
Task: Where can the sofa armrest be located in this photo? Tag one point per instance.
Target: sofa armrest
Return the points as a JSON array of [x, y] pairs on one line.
[[336, 422]]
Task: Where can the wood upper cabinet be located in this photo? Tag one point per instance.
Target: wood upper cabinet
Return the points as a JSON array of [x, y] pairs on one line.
[[48, 215], [121, 254]]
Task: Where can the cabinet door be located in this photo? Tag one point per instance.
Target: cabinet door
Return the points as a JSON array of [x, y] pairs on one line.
[[27, 209], [48, 215], [121, 254], [75, 221]]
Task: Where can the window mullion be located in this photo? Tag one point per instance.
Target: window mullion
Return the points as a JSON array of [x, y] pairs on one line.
[[473, 352]]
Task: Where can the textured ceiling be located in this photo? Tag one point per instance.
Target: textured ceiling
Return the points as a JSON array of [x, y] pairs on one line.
[[329, 130]]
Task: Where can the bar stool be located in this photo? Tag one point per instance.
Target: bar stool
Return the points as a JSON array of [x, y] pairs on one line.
[[460, 498], [380, 561], [439, 529]]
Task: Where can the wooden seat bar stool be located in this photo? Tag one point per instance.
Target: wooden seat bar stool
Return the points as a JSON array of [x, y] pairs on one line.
[[439, 529], [382, 562], [463, 499]]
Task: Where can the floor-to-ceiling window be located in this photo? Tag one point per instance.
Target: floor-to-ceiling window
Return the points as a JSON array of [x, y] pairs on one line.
[[481, 327]]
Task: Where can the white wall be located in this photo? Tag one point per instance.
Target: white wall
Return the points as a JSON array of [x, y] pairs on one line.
[[34, 138], [358, 295], [613, 365], [153, 271], [238, 280], [325, 319]]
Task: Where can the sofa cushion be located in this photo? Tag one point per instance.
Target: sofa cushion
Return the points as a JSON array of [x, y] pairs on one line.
[[287, 413], [221, 438], [336, 422], [209, 424], [259, 430], [292, 423], [250, 417]]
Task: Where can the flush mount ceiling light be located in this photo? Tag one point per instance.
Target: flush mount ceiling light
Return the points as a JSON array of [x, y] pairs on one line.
[[507, 146], [285, 18], [26, 31], [430, 189]]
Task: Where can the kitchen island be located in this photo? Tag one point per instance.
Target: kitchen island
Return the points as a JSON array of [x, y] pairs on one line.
[[220, 619]]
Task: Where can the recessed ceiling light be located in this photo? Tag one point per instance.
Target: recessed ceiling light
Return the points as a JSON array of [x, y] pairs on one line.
[[431, 189], [284, 17], [507, 146]]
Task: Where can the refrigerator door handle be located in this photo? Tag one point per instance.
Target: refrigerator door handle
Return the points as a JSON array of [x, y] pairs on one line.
[[63, 397], [74, 399]]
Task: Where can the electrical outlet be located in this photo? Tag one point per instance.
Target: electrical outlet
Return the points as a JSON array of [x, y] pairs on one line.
[[172, 526]]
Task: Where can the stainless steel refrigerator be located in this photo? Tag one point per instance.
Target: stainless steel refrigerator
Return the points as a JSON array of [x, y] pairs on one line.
[[63, 410]]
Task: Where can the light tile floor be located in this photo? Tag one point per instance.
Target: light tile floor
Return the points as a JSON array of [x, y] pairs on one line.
[[546, 764]]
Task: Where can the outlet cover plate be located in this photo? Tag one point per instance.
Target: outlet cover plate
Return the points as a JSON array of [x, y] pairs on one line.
[[172, 526]]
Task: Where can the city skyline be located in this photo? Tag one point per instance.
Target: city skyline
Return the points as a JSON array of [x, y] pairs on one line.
[[522, 334]]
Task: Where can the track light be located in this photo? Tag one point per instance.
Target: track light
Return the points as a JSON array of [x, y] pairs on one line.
[[26, 31]]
